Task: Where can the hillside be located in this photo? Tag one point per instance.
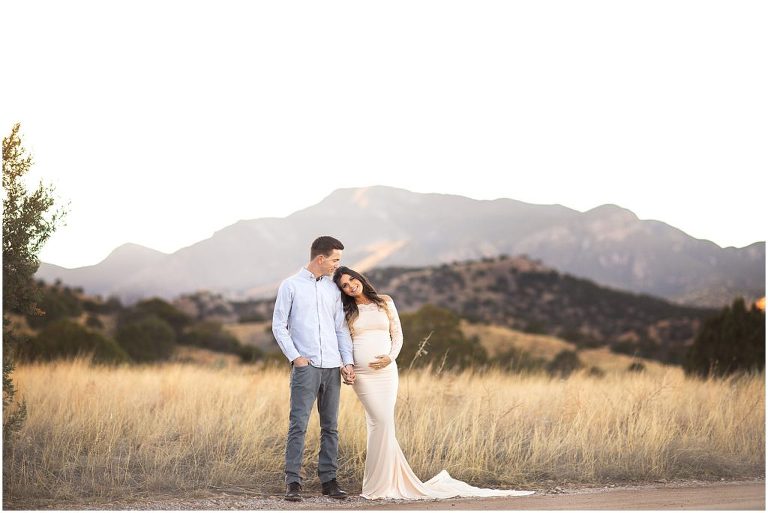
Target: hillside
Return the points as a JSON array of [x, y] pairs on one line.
[[524, 295], [388, 227], [497, 339]]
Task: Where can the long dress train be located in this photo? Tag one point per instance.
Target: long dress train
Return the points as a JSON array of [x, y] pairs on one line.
[[387, 473]]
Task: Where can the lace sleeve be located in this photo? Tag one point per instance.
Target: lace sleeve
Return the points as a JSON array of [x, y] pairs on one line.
[[395, 330]]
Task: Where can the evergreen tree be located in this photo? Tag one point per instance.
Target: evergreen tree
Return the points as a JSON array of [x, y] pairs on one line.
[[28, 222], [730, 342]]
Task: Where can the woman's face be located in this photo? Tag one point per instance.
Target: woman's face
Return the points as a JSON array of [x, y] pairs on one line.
[[351, 286]]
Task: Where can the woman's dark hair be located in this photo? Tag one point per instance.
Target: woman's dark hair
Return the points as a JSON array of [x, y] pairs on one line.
[[350, 307]]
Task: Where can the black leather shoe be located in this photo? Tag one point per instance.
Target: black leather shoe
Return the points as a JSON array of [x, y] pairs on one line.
[[293, 492], [332, 489]]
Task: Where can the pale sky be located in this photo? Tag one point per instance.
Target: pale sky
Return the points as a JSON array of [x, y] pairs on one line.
[[160, 123]]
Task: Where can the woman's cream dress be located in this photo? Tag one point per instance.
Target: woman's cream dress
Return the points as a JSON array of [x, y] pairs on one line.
[[387, 473]]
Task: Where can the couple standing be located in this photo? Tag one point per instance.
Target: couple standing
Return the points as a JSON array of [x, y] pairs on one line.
[[329, 318]]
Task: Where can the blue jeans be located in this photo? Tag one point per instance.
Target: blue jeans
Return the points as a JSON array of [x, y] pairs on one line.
[[307, 384]]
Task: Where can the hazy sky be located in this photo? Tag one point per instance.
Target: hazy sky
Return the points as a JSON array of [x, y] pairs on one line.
[[160, 123]]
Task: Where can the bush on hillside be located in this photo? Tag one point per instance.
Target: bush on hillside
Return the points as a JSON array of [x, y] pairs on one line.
[[158, 308], [96, 306], [148, 339], [55, 303], [210, 335], [517, 360], [447, 347], [596, 372], [250, 354], [64, 339], [564, 363]]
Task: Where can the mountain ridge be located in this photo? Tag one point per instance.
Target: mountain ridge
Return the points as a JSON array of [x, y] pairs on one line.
[[608, 244]]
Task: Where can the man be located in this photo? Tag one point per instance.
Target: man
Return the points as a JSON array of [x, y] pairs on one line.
[[309, 325]]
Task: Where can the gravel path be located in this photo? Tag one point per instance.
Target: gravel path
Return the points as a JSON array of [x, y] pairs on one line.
[[660, 495]]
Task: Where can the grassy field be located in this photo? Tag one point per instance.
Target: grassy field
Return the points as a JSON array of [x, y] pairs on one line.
[[107, 431]]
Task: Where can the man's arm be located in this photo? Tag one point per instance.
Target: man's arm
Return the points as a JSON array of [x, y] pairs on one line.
[[280, 321]]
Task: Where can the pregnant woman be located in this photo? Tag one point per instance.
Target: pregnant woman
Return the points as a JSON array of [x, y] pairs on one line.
[[377, 338]]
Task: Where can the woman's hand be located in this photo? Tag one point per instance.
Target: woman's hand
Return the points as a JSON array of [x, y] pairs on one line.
[[381, 361], [348, 374]]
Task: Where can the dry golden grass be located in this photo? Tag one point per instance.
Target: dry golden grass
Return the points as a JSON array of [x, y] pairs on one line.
[[106, 431], [205, 357], [496, 339]]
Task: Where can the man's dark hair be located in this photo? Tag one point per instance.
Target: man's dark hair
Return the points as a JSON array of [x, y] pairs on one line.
[[324, 246]]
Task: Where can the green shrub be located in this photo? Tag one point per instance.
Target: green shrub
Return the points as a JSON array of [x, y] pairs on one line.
[[64, 338], [210, 335], [156, 307], [250, 354], [97, 306], [447, 346], [564, 363], [596, 372], [517, 360], [148, 339], [55, 303]]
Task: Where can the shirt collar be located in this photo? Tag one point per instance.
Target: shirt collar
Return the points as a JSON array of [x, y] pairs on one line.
[[305, 273]]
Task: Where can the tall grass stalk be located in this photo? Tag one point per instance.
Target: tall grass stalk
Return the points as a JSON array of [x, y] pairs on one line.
[[106, 431]]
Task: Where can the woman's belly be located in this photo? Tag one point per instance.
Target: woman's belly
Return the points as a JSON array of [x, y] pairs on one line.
[[367, 346]]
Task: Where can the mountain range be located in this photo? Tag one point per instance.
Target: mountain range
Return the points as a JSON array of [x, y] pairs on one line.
[[384, 226]]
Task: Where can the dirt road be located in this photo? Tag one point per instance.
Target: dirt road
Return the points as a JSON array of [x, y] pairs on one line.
[[718, 496], [740, 495]]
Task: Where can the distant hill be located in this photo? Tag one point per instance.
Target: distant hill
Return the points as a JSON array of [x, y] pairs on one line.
[[384, 226], [524, 295], [497, 339], [126, 260]]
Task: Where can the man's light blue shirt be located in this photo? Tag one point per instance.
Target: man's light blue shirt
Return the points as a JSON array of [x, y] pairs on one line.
[[309, 321]]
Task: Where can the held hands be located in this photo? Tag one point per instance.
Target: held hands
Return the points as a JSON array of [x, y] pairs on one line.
[[381, 361], [348, 374]]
